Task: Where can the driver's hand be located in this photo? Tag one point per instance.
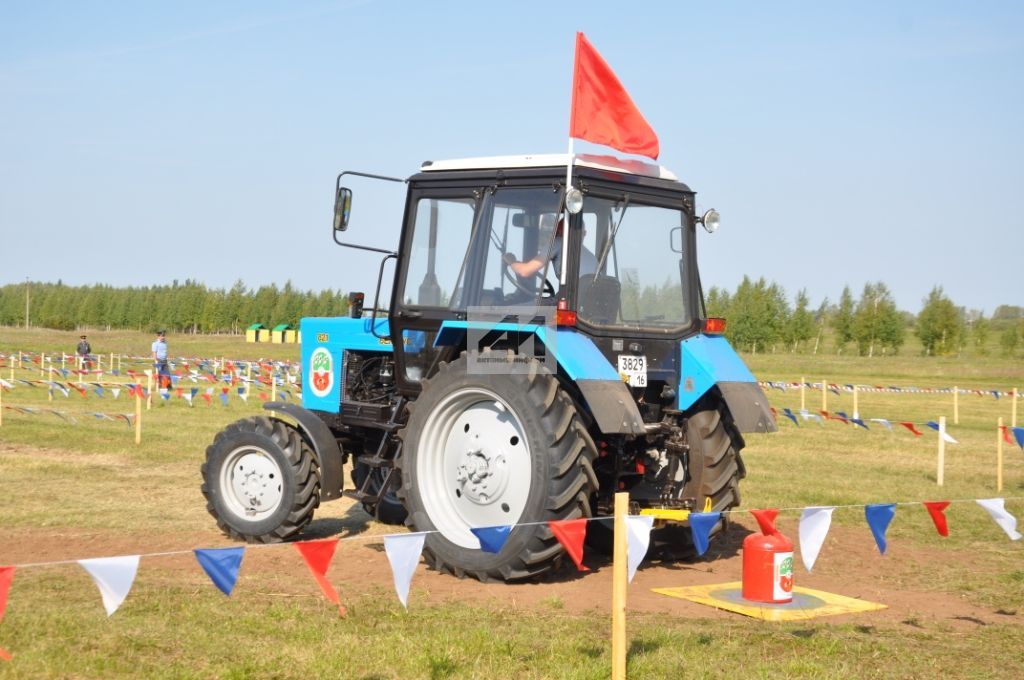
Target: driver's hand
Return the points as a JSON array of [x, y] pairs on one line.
[[509, 259]]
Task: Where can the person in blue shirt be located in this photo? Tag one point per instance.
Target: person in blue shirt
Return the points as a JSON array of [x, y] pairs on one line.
[[163, 371]]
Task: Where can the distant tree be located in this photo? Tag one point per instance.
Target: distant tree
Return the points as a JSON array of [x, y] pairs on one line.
[[1009, 340], [979, 335], [822, 317], [800, 326], [758, 313], [717, 302], [1008, 313], [842, 320], [938, 324], [876, 321]]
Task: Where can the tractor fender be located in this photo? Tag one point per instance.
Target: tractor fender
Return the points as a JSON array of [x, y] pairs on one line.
[[323, 442], [604, 394], [708, 362]]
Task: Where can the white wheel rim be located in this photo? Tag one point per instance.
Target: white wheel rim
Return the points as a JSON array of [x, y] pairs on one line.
[[252, 483], [473, 465]]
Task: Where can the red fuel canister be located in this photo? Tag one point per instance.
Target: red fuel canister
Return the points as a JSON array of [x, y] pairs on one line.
[[767, 562]]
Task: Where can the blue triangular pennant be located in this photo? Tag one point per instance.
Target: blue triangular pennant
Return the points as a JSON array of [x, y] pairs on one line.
[[701, 524], [1018, 434], [879, 516], [491, 538], [789, 414], [858, 421], [932, 424], [221, 565]]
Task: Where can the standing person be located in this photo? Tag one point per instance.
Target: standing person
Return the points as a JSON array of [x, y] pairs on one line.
[[163, 372], [83, 351]]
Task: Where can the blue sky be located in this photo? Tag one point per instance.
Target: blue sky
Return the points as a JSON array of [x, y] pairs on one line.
[[145, 142]]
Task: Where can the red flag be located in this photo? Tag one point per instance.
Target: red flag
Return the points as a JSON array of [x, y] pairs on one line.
[[937, 510], [602, 111], [6, 576], [318, 556], [910, 426], [570, 533], [1006, 434]]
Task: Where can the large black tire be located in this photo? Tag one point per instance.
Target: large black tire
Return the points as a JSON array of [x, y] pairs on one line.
[[464, 464], [715, 464], [390, 510], [261, 480]]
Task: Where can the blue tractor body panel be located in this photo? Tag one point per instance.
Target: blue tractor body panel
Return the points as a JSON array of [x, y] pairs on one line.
[[706, 361], [328, 338], [575, 352]]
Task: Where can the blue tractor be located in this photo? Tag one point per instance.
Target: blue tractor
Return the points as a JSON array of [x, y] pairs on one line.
[[545, 346]]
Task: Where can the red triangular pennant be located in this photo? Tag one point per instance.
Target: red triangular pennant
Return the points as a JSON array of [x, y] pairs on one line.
[[6, 577], [570, 533], [937, 510], [318, 556], [1006, 434], [910, 426]]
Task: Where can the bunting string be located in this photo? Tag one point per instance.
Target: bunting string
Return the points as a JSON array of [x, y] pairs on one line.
[[837, 388]]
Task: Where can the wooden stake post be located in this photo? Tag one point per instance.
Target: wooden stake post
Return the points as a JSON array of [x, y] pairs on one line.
[[803, 394], [619, 582], [1013, 410], [824, 395], [942, 449], [999, 456], [856, 409], [138, 416], [956, 405]]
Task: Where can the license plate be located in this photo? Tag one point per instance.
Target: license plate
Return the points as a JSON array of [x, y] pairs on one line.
[[633, 369]]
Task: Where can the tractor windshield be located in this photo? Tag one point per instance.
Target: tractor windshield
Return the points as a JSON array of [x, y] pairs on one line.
[[643, 279], [627, 267]]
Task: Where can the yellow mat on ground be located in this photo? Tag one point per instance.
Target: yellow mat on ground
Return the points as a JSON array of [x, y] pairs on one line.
[[806, 604]]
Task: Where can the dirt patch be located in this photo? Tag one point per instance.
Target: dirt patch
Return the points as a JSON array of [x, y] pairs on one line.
[[849, 565]]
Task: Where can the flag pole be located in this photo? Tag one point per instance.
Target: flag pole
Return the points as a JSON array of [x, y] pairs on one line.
[[565, 228], [569, 162]]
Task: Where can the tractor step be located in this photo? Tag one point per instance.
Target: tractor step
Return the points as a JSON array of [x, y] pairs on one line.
[[669, 514]]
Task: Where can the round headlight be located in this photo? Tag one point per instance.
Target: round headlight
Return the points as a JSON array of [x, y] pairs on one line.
[[711, 221], [574, 200]]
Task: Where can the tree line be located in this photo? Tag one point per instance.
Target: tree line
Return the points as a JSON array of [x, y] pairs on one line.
[[188, 307], [759, 313], [761, 319]]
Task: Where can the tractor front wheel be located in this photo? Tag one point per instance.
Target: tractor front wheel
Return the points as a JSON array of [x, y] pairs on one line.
[[261, 480]]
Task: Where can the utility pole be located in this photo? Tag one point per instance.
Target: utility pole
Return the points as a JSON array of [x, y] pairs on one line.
[[26, 301]]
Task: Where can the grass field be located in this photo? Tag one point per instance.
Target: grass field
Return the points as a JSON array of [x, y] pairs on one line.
[[86, 490]]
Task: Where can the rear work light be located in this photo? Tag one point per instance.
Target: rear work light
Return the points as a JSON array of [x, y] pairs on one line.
[[714, 326], [563, 315]]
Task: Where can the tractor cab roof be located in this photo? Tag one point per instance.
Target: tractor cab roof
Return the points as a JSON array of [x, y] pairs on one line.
[[581, 162]]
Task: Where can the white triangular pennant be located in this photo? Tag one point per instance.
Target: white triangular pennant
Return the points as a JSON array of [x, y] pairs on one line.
[[113, 576], [638, 534], [116, 391], [814, 524], [1005, 520], [403, 552]]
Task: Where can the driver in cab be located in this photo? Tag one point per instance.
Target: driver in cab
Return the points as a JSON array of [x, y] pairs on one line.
[[588, 261]]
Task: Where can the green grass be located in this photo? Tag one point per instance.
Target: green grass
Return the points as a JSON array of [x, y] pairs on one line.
[[89, 485]]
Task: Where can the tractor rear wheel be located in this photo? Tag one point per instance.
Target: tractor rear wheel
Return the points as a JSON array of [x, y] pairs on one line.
[[715, 464], [261, 480], [483, 450]]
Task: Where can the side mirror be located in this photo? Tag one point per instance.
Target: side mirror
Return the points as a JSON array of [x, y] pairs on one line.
[[342, 208], [676, 236]]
